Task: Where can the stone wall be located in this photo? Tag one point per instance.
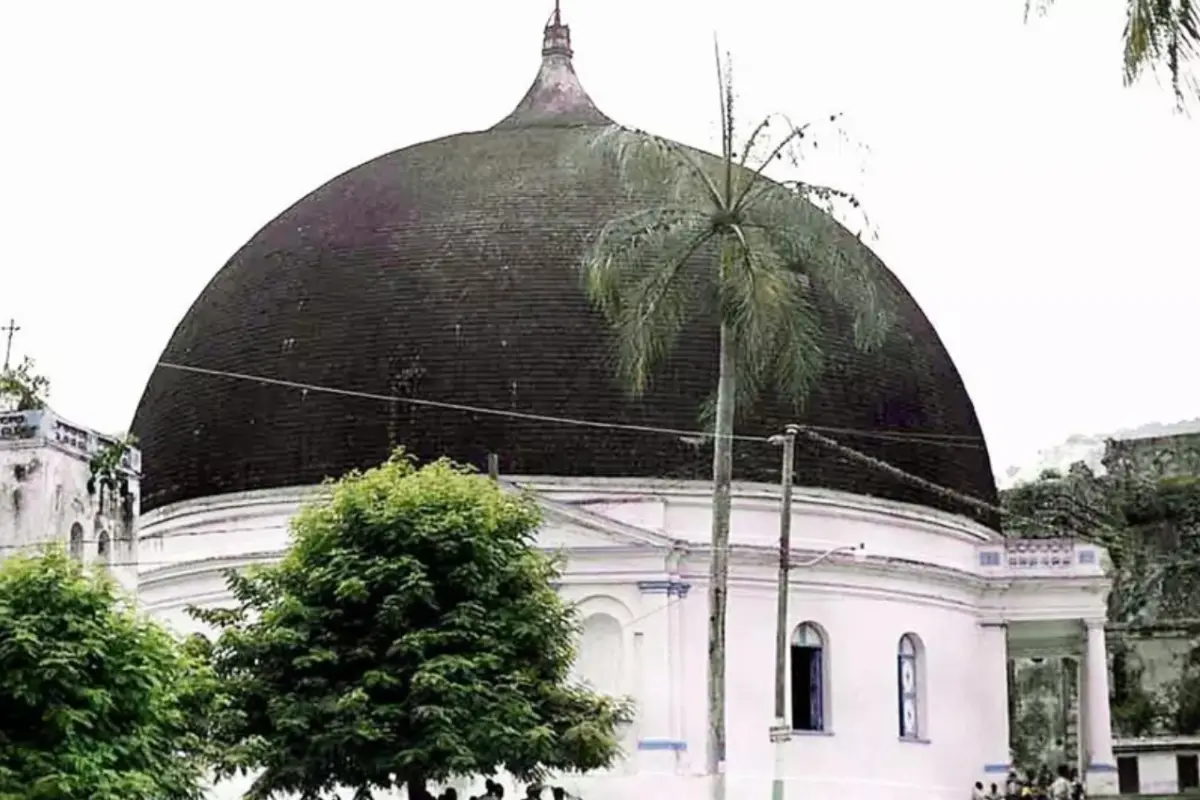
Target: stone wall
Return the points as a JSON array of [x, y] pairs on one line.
[[1157, 456]]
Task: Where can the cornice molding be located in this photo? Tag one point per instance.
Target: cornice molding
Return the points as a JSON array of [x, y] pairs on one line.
[[750, 495], [746, 496], [636, 554], [149, 579]]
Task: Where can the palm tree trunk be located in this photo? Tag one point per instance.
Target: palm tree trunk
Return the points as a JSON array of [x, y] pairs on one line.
[[718, 578]]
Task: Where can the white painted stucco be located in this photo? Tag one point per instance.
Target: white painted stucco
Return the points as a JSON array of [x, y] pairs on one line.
[[44, 495], [637, 565]]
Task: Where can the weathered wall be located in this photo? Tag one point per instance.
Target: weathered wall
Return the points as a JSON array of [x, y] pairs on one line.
[[1158, 456], [44, 493]]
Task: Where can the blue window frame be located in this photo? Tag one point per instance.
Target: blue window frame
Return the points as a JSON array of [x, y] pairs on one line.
[[908, 687]]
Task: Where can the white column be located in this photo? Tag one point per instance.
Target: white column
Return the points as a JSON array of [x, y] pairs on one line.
[[993, 701], [656, 741], [1102, 766], [679, 699]]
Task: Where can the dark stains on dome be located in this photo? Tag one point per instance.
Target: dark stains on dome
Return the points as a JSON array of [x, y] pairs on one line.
[[448, 272], [556, 98]]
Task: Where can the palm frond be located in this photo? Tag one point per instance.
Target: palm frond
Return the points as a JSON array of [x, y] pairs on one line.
[[1163, 34], [1159, 35], [642, 274], [725, 82], [648, 166], [776, 326], [815, 245], [751, 177]]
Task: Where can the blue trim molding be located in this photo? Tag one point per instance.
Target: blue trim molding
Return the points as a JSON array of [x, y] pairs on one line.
[[997, 769], [1101, 767], [671, 588], [674, 745]]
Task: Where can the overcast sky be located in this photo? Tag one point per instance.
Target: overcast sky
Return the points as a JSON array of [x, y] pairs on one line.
[[1044, 217]]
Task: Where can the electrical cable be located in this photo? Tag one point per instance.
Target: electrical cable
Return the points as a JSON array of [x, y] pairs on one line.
[[943, 439], [811, 432]]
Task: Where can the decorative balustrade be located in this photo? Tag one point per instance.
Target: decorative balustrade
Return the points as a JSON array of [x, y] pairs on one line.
[[1041, 556], [44, 426]]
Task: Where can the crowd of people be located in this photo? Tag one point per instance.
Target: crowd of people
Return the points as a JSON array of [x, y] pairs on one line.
[[1035, 785], [494, 791]]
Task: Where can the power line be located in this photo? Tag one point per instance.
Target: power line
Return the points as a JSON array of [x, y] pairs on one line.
[[883, 466], [811, 432], [941, 439]]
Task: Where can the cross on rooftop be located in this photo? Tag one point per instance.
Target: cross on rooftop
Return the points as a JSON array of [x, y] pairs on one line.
[[11, 329]]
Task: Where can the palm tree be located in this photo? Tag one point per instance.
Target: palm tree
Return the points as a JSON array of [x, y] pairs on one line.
[[722, 239], [1159, 35]]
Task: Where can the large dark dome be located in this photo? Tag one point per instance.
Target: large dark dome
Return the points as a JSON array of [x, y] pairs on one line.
[[448, 272]]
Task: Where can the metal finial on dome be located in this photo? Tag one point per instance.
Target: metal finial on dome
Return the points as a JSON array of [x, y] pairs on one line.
[[557, 37], [556, 98]]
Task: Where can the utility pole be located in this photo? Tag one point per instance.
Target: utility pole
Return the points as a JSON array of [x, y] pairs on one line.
[[781, 731], [10, 330]]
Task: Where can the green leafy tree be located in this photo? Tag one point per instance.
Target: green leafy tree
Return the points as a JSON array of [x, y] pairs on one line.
[[1160, 36], [22, 388], [411, 634], [96, 703], [720, 240]]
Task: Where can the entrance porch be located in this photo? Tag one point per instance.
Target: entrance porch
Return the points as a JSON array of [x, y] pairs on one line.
[[1050, 606]]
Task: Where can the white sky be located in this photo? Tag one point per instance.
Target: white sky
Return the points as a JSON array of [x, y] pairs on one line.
[[1043, 216]]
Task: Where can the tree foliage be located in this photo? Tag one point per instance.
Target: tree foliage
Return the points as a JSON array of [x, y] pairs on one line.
[[96, 703], [22, 388], [719, 239], [1160, 36], [411, 634]]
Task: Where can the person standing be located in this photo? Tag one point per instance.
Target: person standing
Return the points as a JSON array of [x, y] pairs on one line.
[[1060, 787]]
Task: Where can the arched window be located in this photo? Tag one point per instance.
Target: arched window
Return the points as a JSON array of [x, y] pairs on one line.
[[102, 547], [910, 680], [76, 543], [808, 678]]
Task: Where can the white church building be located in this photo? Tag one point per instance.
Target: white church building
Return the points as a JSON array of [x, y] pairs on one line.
[[898, 684], [430, 298]]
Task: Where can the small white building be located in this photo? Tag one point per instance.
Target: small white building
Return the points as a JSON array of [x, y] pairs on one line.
[[47, 495], [1158, 765]]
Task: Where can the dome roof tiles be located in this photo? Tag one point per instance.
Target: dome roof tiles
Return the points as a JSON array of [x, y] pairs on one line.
[[447, 272]]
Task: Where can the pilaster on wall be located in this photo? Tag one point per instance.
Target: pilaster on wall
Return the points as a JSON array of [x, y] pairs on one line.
[[661, 747], [993, 699]]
